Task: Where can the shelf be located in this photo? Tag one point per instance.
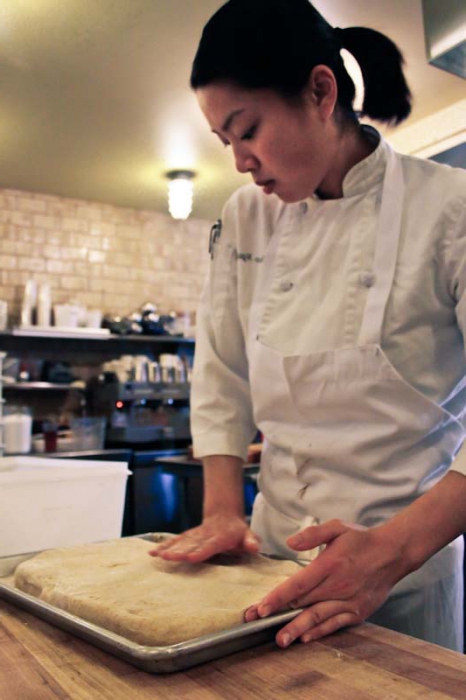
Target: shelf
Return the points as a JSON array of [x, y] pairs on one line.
[[42, 386], [87, 350], [4, 335]]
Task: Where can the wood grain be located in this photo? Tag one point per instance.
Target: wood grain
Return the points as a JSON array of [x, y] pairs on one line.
[[41, 662]]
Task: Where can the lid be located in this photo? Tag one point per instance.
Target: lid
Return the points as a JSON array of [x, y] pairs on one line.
[[37, 469]]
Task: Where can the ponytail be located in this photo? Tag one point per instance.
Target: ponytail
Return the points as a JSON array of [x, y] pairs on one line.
[[387, 97]]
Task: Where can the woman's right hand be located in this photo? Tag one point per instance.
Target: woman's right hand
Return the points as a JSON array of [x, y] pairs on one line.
[[217, 534]]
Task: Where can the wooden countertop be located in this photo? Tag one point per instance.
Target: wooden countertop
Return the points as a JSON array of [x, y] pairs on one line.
[[40, 662]]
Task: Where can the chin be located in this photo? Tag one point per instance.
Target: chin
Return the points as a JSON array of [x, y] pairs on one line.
[[290, 198]]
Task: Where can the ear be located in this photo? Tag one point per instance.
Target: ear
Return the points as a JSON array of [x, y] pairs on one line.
[[323, 90]]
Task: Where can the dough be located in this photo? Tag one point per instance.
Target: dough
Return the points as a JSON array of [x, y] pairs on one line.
[[118, 586]]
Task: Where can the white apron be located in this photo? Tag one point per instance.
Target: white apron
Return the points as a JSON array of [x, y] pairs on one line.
[[347, 437]]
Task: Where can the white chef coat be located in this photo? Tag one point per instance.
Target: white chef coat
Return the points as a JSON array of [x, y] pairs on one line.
[[323, 274], [298, 304]]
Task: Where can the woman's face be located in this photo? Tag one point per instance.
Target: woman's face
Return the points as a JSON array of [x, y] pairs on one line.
[[287, 147]]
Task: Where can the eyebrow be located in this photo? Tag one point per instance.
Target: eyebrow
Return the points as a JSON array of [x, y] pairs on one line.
[[229, 119]]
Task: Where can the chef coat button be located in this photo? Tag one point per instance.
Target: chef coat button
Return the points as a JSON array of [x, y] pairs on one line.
[[367, 279], [286, 286], [303, 207]]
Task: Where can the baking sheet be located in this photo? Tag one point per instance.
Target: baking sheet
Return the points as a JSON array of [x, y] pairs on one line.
[[166, 659]]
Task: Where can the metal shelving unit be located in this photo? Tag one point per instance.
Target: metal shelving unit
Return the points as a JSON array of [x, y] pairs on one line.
[[88, 350], [42, 386]]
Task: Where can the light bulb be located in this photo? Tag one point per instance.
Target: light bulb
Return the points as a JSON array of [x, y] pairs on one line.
[[180, 194]]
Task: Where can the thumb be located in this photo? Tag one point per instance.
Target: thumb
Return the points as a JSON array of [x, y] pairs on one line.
[[317, 535], [251, 542]]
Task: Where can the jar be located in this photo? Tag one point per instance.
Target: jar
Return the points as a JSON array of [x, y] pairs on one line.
[[17, 429]]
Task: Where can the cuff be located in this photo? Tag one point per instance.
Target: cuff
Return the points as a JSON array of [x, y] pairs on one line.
[[230, 444]]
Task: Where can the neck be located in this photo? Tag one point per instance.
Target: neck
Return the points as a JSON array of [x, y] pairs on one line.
[[350, 148]]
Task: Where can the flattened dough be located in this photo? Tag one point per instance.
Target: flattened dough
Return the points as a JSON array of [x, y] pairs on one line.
[[119, 587]]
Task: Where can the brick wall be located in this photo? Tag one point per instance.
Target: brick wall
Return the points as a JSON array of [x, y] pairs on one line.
[[98, 255]]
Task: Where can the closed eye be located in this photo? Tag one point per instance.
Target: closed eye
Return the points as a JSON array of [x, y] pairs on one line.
[[222, 139], [249, 134]]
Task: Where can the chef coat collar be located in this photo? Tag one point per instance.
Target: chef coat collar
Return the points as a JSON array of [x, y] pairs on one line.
[[366, 174]]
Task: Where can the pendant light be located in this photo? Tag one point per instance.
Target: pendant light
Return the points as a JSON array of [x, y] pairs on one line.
[[180, 193]]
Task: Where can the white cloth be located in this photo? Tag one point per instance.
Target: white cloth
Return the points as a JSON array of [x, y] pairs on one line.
[[346, 434]]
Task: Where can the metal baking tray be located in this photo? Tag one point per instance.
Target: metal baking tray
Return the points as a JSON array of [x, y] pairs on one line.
[[166, 659]]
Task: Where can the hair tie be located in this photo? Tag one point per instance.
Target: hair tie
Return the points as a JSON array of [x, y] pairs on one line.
[[338, 34]]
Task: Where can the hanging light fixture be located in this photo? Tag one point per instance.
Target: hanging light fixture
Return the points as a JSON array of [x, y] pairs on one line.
[[180, 193]]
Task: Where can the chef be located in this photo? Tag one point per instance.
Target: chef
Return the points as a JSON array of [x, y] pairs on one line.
[[333, 321]]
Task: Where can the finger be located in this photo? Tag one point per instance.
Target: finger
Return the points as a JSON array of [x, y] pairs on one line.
[[186, 538], [330, 626], [251, 614], [316, 535], [293, 589], [193, 551], [330, 615], [251, 543]]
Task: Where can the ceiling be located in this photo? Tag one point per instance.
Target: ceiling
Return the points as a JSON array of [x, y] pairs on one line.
[[95, 102]]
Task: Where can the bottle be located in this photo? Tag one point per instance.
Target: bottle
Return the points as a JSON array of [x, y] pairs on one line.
[[29, 302], [44, 305]]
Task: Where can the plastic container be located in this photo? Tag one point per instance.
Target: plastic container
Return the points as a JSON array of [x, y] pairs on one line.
[[88, 433], [17, 429], [48, 502]]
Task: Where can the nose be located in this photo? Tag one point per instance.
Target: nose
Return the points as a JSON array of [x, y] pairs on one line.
[[245, 162]]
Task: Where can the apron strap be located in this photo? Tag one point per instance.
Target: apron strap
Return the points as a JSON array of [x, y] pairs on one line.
[[386, 250]]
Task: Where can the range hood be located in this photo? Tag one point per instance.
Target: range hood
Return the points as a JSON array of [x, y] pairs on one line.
[[445, 33]]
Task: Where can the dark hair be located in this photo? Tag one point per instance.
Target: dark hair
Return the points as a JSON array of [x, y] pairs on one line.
[[275, 44]]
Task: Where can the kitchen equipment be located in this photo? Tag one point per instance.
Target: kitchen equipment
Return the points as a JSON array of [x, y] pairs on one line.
[[153, 659], [66, 315], [65, 442], [140, 411], [50, 435], [28, 303], [17, 429], [141, 365], [172, 368], [3, 315], [44, 306], [93, 318], [88, 433], [155, 374], [48, 502], [57, 372]]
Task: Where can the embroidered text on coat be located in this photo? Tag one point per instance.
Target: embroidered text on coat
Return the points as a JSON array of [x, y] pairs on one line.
[[245, 257]]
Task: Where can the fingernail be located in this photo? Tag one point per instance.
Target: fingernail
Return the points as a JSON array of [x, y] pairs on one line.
[[306, 638], [264, 610], [250, 615], [294, 539], [285, 640]]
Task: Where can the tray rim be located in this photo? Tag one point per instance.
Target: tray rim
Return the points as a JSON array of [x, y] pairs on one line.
[[154, 659]]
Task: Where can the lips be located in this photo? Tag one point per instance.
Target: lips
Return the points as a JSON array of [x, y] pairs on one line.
[[267, 185]]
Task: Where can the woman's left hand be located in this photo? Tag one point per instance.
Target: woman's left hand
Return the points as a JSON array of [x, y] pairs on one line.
[[346, 583]]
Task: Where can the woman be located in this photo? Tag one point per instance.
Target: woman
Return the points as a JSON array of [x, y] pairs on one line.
[[333, 322]]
